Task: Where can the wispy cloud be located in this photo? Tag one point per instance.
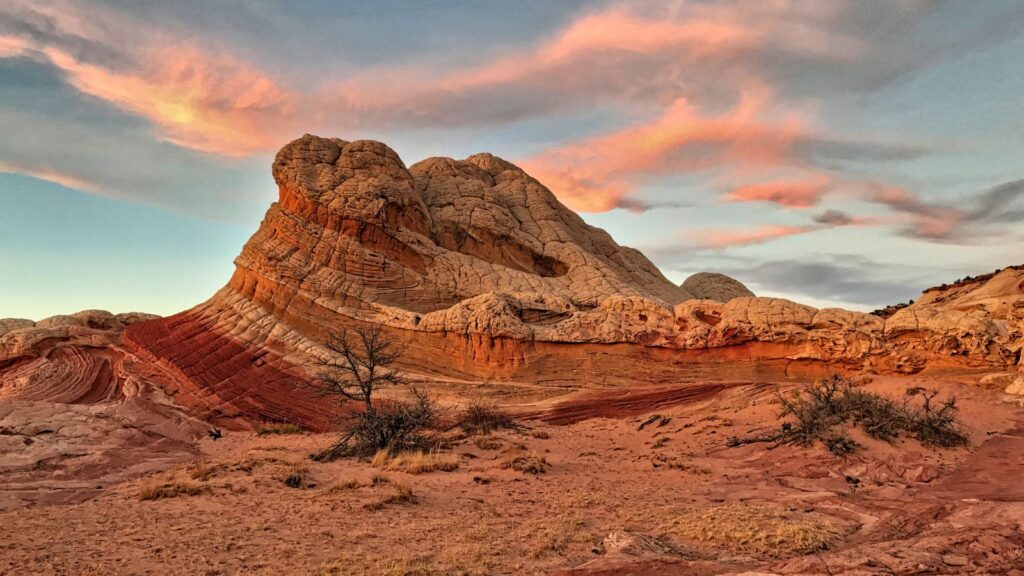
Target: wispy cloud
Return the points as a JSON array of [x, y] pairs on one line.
[[54, 176], [596, 173], [717, 239], [789, 193]]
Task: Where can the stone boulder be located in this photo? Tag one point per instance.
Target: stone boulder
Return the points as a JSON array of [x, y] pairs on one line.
[[715, 286]]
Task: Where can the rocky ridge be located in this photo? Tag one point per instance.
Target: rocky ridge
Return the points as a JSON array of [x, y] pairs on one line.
[[485, 276]]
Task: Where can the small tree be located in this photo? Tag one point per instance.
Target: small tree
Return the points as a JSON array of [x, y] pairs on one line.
[[361, 364]]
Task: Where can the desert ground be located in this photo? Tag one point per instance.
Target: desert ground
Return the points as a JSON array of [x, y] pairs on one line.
[[608, 495]]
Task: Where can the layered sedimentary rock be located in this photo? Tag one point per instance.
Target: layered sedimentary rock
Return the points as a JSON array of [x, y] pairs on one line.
[[72, 359], [483, 275], [715, 286]]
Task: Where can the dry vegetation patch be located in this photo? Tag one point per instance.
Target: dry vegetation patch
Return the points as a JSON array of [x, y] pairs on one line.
[[276, 429], [523, 461], [755, 529], [403, 495], [487, 443], [157, 490], [822, 410], [482, 418], [202, 470], [416, 462]]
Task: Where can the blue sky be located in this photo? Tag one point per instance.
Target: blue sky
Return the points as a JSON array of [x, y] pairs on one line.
[[832, 152]]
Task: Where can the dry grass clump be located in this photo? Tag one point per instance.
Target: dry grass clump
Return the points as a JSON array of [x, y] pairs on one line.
[[403, 495], [523, 461], [556, 537], [416, 462], [755, 529], [273, 429], [482, 418], [355, 564], [201, 470], [488, 443], [156, 490]]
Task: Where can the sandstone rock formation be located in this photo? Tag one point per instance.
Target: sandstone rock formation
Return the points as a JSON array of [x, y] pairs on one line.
[[715, 286], [483, 275]]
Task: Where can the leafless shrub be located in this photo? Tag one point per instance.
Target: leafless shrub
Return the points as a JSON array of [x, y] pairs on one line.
[[818, 409], [361, 364], [483, 418]]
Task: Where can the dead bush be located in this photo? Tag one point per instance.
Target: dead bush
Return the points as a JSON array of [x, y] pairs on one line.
[[818, 409], [934, 423], [392, 425], [356, 365], [482, 418]]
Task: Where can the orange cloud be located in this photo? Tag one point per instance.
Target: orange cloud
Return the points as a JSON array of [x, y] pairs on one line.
[[11, 46], [200, 101], [604, 33], [791, 193], [719, 239], [596, 173]]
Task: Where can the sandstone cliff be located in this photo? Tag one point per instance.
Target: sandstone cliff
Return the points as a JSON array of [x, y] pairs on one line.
[[485, 275]]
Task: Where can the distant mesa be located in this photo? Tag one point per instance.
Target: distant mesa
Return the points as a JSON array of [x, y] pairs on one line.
[[715, 286]]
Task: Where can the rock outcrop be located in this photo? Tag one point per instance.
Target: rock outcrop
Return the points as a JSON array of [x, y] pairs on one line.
[[484, 275], [715, 286]]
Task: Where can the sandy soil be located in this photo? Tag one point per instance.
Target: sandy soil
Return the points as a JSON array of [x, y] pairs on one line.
[[683, 501]]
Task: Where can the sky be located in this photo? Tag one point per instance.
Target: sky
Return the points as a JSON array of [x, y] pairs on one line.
[[835, 153]]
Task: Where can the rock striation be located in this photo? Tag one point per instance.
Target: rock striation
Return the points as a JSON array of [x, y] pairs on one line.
[[484, 275]]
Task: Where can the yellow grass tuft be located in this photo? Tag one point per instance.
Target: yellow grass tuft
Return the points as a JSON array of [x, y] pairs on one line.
[[487, 443], [274, 429], [403, 495], [416, 462], [201, 470], [350, 484], [757, 529], [523, 461]]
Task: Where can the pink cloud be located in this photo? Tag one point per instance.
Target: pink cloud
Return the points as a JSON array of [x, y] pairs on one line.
[[788, 193], [11, 46], [719, 239], [200, 101], [55, 176], [596, 173], [925, 220]]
